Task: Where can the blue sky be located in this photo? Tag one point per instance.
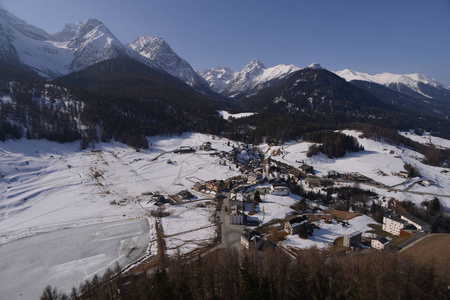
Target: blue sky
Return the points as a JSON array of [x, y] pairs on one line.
[[369, 36]]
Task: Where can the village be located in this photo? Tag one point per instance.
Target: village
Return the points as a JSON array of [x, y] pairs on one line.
[[240, 204]]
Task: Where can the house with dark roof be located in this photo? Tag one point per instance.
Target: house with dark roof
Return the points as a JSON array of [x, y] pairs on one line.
[[418, 223], [381, 244], [294, 225], [352, 238], [252, 239]]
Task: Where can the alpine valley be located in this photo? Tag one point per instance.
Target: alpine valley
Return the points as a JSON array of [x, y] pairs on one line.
[[118, 159]]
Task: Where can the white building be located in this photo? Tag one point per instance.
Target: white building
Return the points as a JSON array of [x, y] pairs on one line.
[[381, 244], [393, 225]]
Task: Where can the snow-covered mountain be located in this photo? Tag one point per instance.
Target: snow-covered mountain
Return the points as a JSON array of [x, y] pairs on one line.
[[160, 52], [253, 77], [218, 78], [75, 47], [415, 85], [315, 66]]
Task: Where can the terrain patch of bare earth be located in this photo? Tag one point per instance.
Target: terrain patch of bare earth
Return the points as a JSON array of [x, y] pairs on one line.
[[434, 250]]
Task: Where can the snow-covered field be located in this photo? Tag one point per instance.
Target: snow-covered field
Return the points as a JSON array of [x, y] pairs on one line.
[[275, 207], [426, 138], [54, 196], [188, 227], [379, 161], [47, 187], [327, 233], [66, 258]]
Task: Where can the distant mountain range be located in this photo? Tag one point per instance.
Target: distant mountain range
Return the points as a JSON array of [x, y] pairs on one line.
[[165, 95]]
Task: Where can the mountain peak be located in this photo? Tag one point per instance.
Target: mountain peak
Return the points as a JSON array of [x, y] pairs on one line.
[[314, 66], [160, 52], [415, 85], [255, 64]]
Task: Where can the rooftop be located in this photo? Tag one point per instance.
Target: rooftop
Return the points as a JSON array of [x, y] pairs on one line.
[[414, 219], [354, 233], [396, 219]]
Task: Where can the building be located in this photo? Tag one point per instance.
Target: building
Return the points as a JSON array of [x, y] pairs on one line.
[[352, 238], [381, 244], [253, 178], [294, 225], [333, 175], [306, 169], [252, 239], [237, 217], [186, 149], [236, 203], [418, 223], [205, 146], [427, 182], [184, 195], [280, 191], [393, 225], [403, 174], [200, 186]]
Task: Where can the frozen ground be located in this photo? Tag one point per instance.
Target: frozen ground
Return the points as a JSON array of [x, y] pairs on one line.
[[327, 233], [46, 187], [275, 207], [65, 258], [188, 227]]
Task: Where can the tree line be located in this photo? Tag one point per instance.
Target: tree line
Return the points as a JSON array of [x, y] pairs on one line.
[[273, 274]]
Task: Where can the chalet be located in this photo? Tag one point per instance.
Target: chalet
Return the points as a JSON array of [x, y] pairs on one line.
[[352, 238], [205, 146], [381, 244], [393, 225], [186, 149], [294, 225], [252, 239], [418, 223], [280, 191]]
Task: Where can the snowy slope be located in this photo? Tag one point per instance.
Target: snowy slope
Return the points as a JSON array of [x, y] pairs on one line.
[[75, 47], [253, 77], [380, 162], [67, 214], [218, 78], [412, 84], [159, 51]]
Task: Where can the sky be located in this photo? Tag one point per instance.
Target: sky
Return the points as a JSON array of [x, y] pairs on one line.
[[368, 36]]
